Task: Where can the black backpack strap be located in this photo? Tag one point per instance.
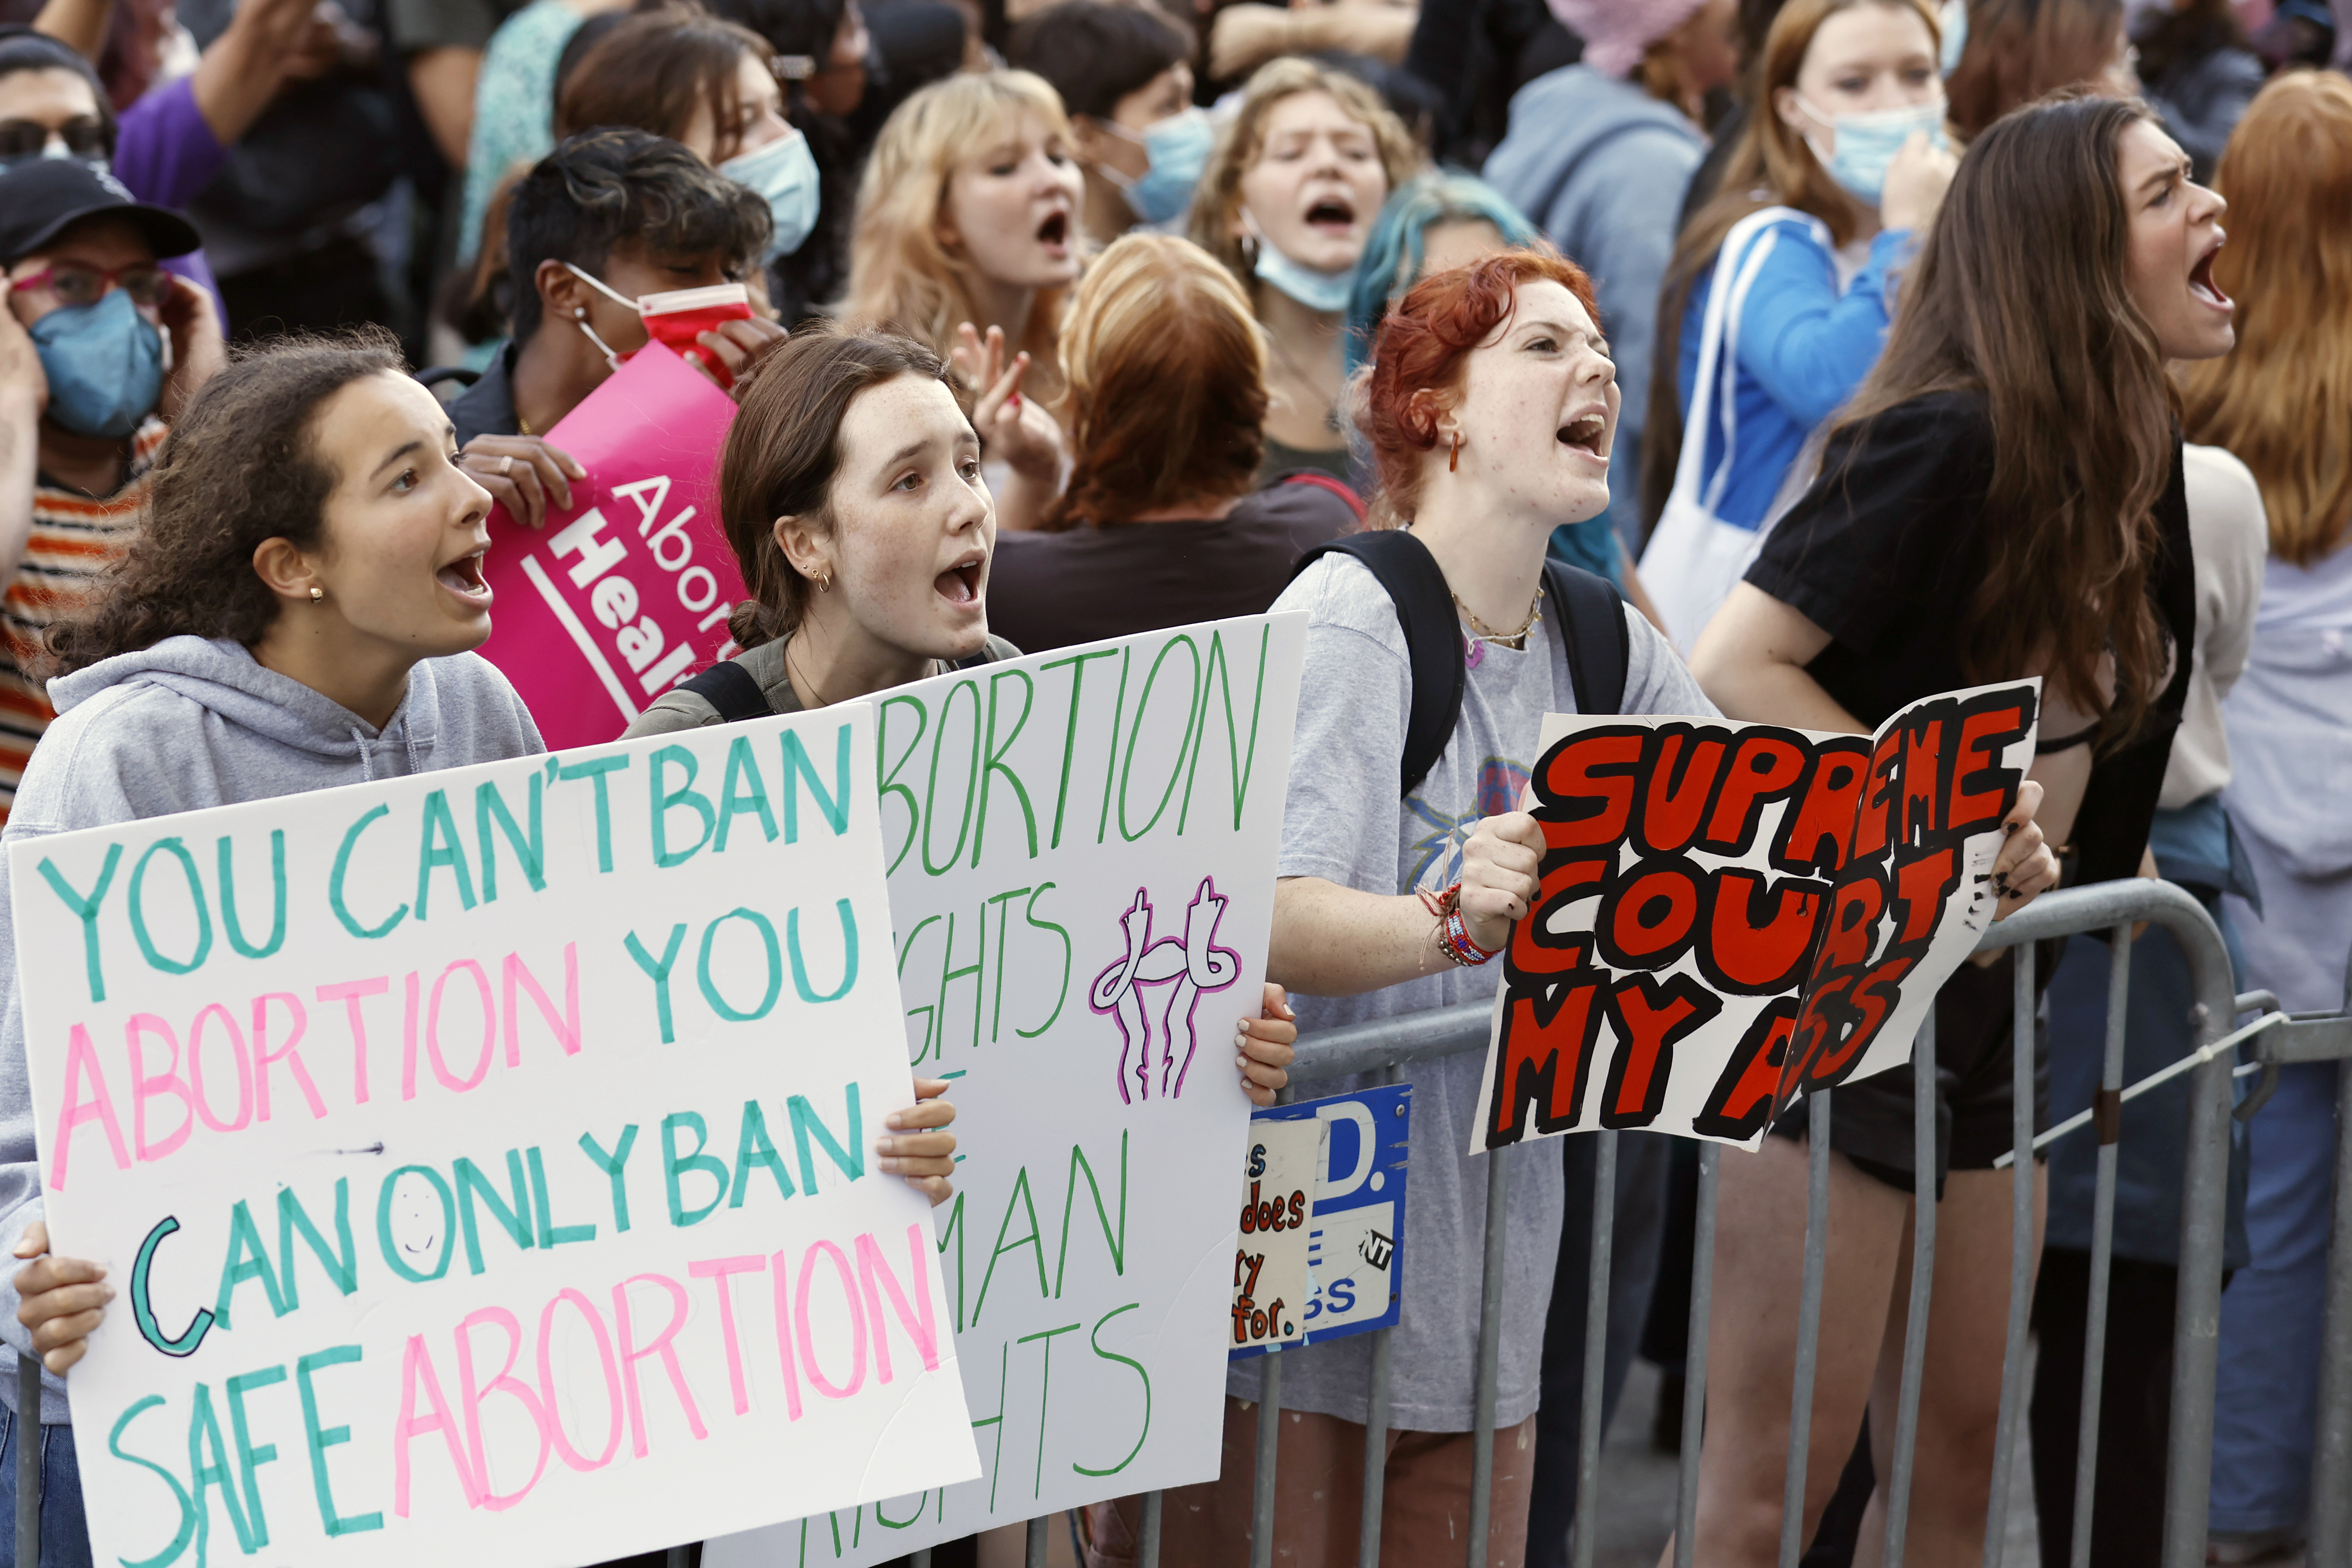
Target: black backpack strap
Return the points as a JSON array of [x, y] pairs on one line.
[[729, 688], [1592, 624], [1433, 638]]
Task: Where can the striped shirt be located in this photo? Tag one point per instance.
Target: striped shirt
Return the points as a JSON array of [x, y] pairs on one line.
[[74, 540]]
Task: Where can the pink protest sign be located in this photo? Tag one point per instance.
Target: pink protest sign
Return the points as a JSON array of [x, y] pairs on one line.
[[612, 603]]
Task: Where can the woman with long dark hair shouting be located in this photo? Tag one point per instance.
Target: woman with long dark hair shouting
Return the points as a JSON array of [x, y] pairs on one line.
[[2003, 498]]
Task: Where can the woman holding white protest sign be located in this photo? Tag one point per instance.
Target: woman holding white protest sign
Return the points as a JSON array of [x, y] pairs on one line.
[[298, 613], [850, 488], [2004, 498]]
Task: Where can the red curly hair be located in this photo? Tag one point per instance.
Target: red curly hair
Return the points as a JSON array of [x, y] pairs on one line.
[[1421, 346]]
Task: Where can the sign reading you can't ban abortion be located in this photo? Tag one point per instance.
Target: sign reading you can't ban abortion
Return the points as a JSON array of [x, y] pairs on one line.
[[486, 1159], [1081, 847]]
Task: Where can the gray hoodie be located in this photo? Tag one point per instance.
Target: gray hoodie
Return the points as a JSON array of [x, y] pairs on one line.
[[186, 725], [1601, 166]]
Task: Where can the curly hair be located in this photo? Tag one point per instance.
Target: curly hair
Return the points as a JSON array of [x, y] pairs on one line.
[[1424, 345], [241, 466]]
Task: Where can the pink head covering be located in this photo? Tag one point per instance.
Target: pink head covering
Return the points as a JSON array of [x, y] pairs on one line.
[[1617, 32]]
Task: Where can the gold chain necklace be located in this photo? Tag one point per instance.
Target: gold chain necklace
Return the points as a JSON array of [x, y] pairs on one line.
[[1516, 640]]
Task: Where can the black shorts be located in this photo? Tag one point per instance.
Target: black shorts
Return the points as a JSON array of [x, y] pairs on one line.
[[1871, 1122]]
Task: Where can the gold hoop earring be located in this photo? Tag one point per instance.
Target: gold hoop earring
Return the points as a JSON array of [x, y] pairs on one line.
[[824, 582], [317, 593], [1453, 458]]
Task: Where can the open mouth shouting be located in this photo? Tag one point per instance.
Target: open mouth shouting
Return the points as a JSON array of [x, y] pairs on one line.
[[463, 577], [1332, 215], [961, 583], [2201, 287], [1586, 433], [1053, 234]]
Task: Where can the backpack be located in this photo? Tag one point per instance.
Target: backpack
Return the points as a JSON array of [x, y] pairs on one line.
[[729, 688], [1592, 619]]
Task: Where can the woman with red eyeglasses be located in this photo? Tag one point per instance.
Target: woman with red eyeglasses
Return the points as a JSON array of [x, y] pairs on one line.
[[99, 349]]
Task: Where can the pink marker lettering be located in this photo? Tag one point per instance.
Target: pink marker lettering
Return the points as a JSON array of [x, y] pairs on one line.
[[81, 1064], [348, 993], [264, 1059], [472, 1396], [817, 1380], [196, 1070], [566, 1025], [416, 1368], [718, 1268], [432, 1028], [659, 1345], [555, 1432], [921, 1326], [784, 1355], [145, 1088]]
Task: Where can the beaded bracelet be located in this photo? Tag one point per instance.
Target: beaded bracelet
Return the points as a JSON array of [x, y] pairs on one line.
[[1452, 934]]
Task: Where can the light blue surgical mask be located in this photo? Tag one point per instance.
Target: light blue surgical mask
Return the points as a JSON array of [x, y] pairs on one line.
[[1324, 292], [1866, 143], [1178, 149], [105, 366], [1952, 23], [784, 172]]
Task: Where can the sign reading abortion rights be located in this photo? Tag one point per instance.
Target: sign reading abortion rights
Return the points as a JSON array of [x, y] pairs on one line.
[[1081, 847], [1733, 914], [610, 604], [486, 1159]]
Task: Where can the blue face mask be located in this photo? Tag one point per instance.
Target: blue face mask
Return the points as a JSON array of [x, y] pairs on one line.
[[1178, 149], [1953, 24], [1324, 292], [1866, 143], [105, 366], [784, 172]]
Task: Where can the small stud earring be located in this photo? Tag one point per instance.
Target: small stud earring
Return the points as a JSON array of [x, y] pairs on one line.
[[317, 593], [580, 312], [1453, 458]]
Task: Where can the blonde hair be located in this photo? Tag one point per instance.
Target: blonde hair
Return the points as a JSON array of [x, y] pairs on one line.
[[1167, 372], [2279, 399], [1217, 200], [902, 275]]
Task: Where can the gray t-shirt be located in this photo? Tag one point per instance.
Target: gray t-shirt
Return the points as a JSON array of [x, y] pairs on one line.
[[1342, 821]]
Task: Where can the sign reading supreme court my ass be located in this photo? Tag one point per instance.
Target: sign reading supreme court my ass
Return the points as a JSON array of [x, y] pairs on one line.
[[486, 1159], [1081, 848]]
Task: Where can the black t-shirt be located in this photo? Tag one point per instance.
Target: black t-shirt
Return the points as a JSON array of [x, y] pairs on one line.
[[1885, 554], [1058, 590]]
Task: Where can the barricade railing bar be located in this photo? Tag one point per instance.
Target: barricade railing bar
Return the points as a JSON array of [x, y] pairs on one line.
[[1388, 1046]]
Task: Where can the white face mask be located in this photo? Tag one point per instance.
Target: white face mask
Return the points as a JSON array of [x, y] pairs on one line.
[[1323, 292]]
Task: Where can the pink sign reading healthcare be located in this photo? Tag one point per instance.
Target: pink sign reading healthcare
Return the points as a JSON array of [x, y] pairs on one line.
[[614, 602]]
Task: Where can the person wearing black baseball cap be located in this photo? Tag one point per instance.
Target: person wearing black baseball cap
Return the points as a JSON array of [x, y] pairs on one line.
[[99, 349]]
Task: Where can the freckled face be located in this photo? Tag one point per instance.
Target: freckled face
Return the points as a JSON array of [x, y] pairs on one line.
[[1539, 406]]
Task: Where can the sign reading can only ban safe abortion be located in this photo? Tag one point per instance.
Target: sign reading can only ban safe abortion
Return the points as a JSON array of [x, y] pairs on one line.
[[485, 1160], [1081, 847]]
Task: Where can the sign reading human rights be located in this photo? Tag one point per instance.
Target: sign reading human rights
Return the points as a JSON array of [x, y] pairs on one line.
[[1731, 915], [486, 1159], [610, 604], [1081, 847]]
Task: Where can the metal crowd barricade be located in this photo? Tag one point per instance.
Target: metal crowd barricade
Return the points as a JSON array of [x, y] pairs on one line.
[[1389, 1045]]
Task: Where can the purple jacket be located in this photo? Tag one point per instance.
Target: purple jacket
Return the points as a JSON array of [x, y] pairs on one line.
[[164, 155]]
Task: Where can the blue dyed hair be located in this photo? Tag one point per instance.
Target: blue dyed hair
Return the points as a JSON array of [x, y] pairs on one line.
[[1392, 263], [1392, 259]]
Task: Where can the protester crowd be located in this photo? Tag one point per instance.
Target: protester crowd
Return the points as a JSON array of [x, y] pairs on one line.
[[1785, 360]]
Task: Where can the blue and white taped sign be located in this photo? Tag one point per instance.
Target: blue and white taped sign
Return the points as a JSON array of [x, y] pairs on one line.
[[1355, 1256]]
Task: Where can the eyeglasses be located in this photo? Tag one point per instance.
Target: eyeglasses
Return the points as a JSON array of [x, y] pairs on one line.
[[78, 283], [84, 137]]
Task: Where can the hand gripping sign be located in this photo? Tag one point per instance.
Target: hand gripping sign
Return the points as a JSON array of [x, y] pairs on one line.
[[486, 1159], [611, 604], [1731, 915]]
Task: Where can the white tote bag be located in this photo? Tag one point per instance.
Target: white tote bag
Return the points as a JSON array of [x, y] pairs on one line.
[[1693, 557]]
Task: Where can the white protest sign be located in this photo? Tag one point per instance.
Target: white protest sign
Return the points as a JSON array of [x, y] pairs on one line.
[[1730, 914], [1270, 1282], [485, 1158], [1082, 847]]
